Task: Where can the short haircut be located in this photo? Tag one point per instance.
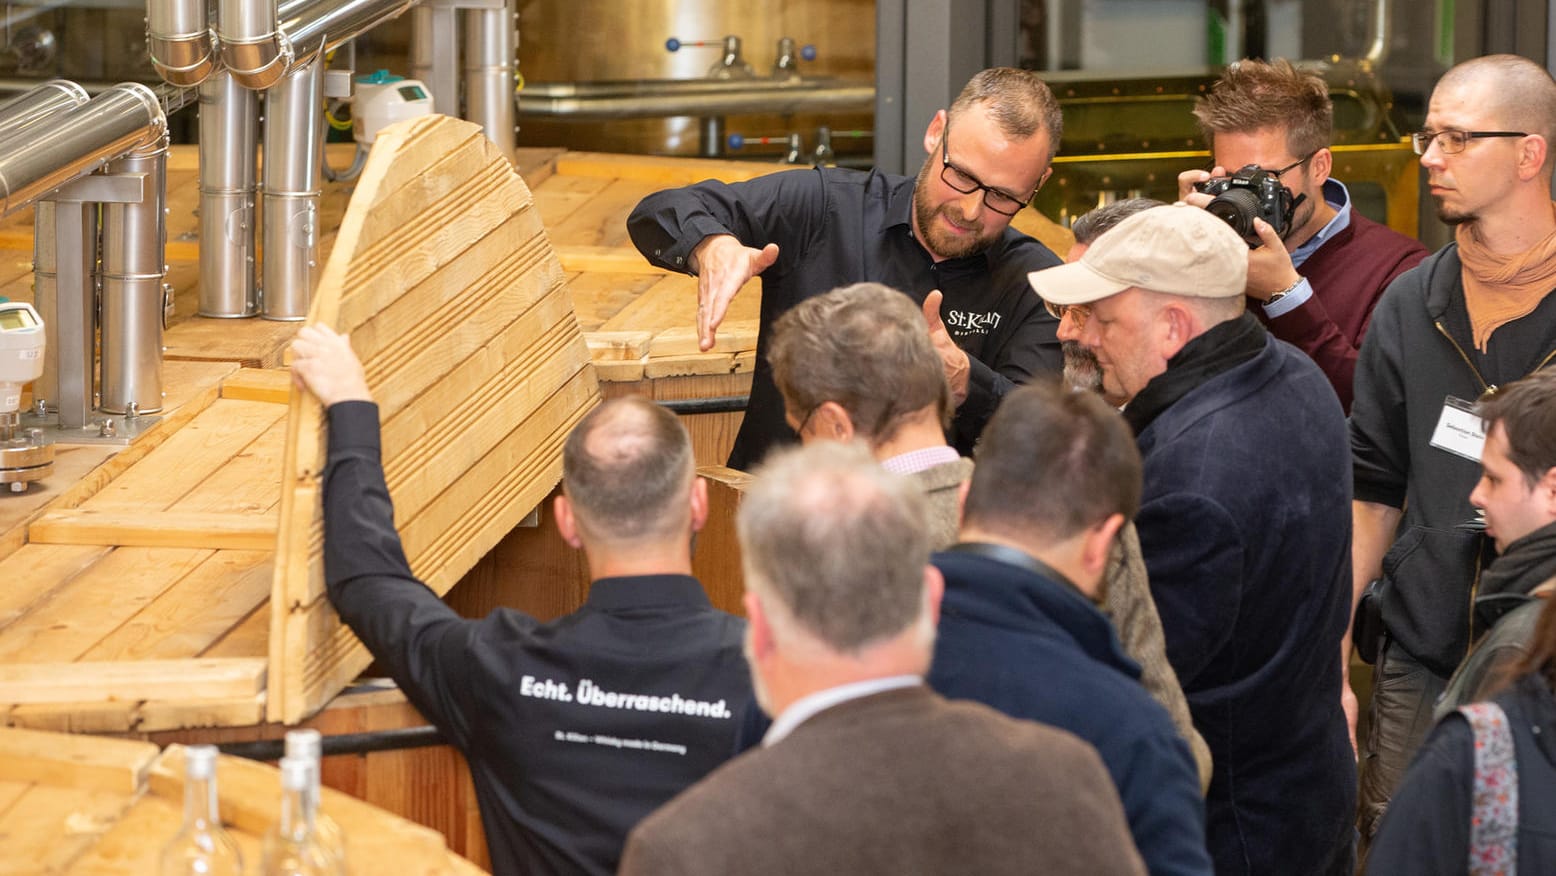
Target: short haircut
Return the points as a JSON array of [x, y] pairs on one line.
[[1093, 224], [1523, 93], [1253, 95], [1018, 101], [626, 468], [1527, 411], [1052, 462], [864, 347], [838, 542]]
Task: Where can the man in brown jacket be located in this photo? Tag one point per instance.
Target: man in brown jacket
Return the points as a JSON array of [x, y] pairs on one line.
[[865, 770]]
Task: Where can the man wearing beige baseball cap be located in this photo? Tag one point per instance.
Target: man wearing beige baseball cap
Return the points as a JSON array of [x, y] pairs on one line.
[[1244, 523]]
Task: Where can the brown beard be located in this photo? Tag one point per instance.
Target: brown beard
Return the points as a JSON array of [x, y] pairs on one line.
[[938, 243]]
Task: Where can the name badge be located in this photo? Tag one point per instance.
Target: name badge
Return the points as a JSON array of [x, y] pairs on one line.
[[1459, 429]]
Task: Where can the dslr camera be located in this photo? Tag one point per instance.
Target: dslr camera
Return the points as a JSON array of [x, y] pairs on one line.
[[1249, 194]]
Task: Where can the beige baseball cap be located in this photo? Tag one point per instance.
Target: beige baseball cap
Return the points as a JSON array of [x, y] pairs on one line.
[[1177, 249]]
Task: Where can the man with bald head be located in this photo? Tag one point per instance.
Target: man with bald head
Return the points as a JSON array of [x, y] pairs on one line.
[[1245, 531], [1476, 315], [574, 729]]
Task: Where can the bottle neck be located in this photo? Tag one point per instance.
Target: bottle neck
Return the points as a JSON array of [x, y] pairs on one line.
[[297, 812], [200, 806]]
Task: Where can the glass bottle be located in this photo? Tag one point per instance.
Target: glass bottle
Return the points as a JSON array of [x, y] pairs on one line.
[[292, 847], [201, 847], [308, 745]]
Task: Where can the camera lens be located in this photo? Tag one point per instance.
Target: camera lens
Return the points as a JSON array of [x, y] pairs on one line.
[[1237, 208]]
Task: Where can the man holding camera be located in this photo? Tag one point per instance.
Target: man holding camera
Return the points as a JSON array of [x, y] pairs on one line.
[[1316, 266]]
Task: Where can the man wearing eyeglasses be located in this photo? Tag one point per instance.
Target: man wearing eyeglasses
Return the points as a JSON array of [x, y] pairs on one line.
[[1317, 285], [945, 232], [1476, 315]]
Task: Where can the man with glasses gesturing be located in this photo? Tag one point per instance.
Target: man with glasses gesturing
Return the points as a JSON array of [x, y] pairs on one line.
[[944, 233], [1476, 315], [1317, 285]]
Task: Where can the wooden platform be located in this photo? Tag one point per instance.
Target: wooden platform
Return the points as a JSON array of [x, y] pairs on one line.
[[103, 807]]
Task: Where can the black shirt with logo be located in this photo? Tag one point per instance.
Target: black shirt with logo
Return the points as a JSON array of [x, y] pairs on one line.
[[836, 226], [574, 730]]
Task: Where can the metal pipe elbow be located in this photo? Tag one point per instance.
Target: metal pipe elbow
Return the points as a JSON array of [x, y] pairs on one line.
[[185, 59], [257, 63]]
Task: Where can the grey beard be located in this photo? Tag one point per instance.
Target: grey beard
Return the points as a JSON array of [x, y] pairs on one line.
[[1081, 370]]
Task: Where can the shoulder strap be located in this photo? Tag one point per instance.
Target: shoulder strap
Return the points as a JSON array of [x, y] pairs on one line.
[[1494, 820]]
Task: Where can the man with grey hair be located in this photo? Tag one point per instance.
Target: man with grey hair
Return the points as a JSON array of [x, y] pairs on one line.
[[945, 232], [864, 769], [856, 364], [542, 712], [1245, 532]]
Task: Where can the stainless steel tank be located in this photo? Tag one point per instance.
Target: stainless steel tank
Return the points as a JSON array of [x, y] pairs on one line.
[[587, 40]]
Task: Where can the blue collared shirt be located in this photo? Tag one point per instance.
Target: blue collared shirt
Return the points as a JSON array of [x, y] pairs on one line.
[[1338, 197]]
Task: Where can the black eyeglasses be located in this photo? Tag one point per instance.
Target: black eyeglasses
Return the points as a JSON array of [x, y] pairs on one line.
[[999, 201], [1452, 142]]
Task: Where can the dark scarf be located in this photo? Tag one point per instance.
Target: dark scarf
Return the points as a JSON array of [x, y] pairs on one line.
[[1526, 564], [1224, 347]]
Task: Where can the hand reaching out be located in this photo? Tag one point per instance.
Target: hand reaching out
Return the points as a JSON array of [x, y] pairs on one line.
[[723, 265]]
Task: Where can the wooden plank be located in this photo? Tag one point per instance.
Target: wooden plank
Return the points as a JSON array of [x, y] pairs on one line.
[[620, 372], [688, 365], [75, 617], [250, 637], [259, 384], [158, 715], [440, 254], [196, 613], [246, 483], [75, 761], [602, 219], [37, 571], [662, 172], [115, 717], [559, 196], [244, 532], [202, 678], [205, 339], [52, 826], [717, 562], [608, 260], [188, 457], [127, 846], [617, 346], [599, 295], [733, 336]]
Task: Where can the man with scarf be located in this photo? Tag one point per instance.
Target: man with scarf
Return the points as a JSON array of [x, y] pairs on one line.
[[1244, 524], [1474, 316], [1516, 494]]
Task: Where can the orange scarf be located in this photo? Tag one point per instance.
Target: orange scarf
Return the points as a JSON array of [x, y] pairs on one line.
[[1499, 289]]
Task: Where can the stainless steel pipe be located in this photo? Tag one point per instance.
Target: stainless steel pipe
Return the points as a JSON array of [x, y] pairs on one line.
[[806, 96], [252, 45], [134, 246], [315, 26], [45, 290], [294, 143], [433, 54], [178, 37], [77, 142], [490, 43], [229, 150], [39, 103]]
